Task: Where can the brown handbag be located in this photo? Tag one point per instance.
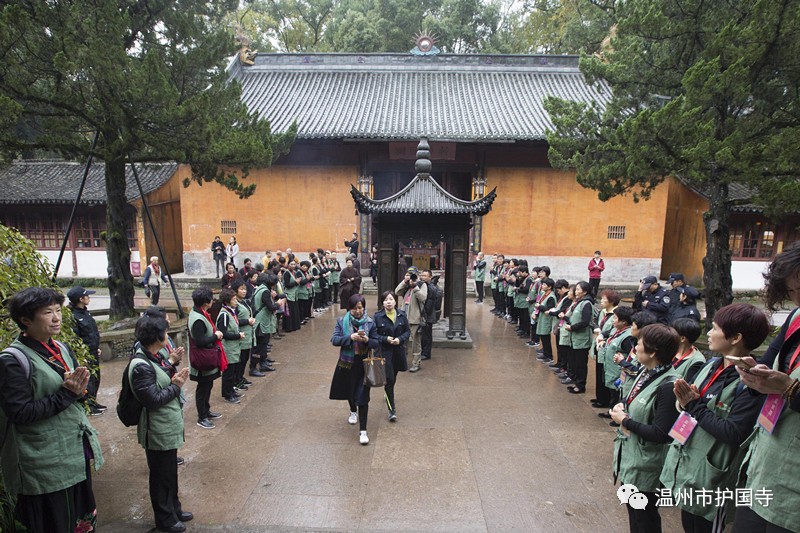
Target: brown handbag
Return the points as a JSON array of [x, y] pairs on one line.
[[374, 370]]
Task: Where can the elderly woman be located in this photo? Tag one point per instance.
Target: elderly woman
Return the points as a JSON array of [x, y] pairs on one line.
[[157, 385], [609, 300], [203, 337], [356, 335], [393, 332], [153, 277], [646, 415], [773, 461], [49, 445], [349, 283]]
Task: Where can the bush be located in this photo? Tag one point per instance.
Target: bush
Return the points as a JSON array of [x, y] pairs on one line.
[[22, 266]]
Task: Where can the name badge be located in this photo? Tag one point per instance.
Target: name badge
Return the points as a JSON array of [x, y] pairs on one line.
[[770, 412], [683, 428]]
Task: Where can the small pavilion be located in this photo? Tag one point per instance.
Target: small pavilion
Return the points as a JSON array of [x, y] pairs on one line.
[[426, 226]]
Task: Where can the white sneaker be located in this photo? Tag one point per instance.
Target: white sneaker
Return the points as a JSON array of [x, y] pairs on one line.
[[353, 420], [362, 438]]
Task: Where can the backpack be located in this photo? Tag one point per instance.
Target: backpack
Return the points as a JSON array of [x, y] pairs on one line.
[[129, 408]]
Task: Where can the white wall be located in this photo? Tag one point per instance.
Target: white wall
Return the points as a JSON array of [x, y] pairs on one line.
[[91, 263], [747, 274]]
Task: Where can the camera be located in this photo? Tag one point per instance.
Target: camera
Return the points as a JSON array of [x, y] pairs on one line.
[[413, 277]]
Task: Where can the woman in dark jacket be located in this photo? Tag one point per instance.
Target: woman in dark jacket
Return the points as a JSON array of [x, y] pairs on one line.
[[356, 335], [203, 335], [157, 385], [393, 332]]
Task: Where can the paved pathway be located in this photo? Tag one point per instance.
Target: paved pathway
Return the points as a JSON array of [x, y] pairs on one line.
[[487, 440]]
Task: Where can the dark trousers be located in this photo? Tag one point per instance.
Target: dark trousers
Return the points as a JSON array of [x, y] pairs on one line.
[[479, 290], [581, 358], [748, 521], [155, 294], [426, 339], [229, 380], [318, 304], [220, 263], [93, 364], [259, 350], [646, 520], [524, 320], [564, 358], [202, 397], [602, 393], [501, 302], [510, 309], [363, 412], [336, 293], [389, 390], [326, 296], [244, 359], [595, 284], [547, 346], [163, 465], [292, 322], [693, 523]]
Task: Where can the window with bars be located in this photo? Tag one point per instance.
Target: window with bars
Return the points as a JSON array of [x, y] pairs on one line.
[[616, 232], [754, 240], [46, 230], [228, 226]]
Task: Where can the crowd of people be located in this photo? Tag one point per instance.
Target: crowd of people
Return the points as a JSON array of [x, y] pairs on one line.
[[685, 425], [691, 432]]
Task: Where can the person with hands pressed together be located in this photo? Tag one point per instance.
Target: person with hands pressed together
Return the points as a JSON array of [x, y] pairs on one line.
[[393, 331], [158, 387], [646, 415], [203, 336], [49, 447], [228, 324], [773, 460], [718, 415]]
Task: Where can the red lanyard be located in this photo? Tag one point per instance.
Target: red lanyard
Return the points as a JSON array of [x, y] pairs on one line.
[[677, 363], [617, 333], [793, 327], [55, 355], [208, 317], [713, 379]]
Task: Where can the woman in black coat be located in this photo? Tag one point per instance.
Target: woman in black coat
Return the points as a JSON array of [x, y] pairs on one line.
[[393, 332]]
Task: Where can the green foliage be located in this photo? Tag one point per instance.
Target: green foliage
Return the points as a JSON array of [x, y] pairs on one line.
[[564, 27], [706, 91], [149, 77]]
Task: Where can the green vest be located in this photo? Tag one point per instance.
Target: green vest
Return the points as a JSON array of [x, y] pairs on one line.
[[564, 336], [580, 339], [704, 462], [291, 293], [773, 462], [232, 347], [265, 321], [161, 428], [612, 370], [480, 273], [544, 322], [687, 363], [492, 282], [520, 298], [47, 455], [316, 271], [637, 461], [599, 353], [244, 315], [334, 273], [194, 316], [302, 291]]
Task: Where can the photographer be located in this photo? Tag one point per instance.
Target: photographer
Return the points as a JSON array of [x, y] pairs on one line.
[[429, 310], [413, 292]]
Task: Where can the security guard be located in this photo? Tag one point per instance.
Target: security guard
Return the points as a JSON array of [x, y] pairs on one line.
[[655, 298], [85, 327]]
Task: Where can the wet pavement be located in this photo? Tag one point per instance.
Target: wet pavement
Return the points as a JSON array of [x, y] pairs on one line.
[[486, 440]]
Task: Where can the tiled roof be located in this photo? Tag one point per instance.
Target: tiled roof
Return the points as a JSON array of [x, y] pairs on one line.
[[423, 196], [737, 193], [401, 96], [57, 182]]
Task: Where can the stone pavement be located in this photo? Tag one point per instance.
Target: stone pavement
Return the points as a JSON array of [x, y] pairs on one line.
[[487, 440]]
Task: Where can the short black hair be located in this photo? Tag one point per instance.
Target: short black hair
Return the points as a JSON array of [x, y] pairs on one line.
[[643, 318], [385, 294], [353, 301], [746, 319], [545, 269], [687, 327], [150, 330], [247, 260], [625, 314], [549, 282], [235, 284], [561, 284], [270, 281], [226, 295], [202, 295], [305, 264], [155, 311], [26, 302], [660, 340], [585, 287]]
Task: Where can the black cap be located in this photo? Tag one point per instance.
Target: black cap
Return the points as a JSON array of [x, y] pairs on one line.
[[646, 282], [78, 292], [675, 276], [690, 292]]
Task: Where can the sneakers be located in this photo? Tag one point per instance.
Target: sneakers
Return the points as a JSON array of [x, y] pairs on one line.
[[246, 382], [100, 406], [353, 418], [180, 460], [567, 381], [232, 399], [414, 368], [362, 438], [212, 415], [393, 416], [546, 360], [206, 424], [94, 411]]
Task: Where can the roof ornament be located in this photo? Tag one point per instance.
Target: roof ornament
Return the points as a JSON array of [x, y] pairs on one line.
[[425, 44], [246, 55], [423, 165]]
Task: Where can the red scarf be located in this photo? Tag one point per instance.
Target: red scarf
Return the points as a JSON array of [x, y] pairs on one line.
[[223, 360], [156, 269]]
